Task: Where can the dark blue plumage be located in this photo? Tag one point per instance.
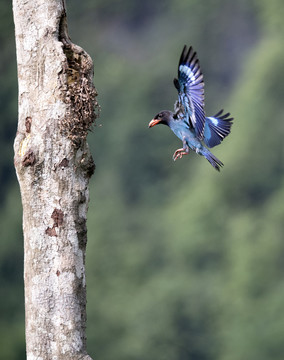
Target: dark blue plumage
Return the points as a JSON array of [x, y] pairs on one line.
[[188, 121], [216, 128]]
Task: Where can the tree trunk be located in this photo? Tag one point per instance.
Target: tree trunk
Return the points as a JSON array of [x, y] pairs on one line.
[[57, 106]]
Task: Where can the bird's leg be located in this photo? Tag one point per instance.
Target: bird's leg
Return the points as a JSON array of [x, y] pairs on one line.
[[178, 154]]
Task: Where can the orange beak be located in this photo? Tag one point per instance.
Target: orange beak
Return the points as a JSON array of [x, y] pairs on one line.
[[153, 122]]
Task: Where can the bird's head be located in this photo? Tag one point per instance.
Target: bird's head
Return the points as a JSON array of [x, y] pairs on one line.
[[164, 117]]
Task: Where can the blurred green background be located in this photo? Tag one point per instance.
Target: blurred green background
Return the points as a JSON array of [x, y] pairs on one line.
[[183, 262]]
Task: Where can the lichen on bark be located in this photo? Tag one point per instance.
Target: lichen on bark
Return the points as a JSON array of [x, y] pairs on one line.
[[80, 93]]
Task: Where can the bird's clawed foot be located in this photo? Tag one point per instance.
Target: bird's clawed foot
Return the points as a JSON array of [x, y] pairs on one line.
[[180, 152]]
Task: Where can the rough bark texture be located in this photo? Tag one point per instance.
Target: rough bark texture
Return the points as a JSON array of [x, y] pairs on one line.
[[56, 109]]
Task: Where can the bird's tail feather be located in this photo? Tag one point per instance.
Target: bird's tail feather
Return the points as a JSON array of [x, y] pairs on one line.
[[214, 161]]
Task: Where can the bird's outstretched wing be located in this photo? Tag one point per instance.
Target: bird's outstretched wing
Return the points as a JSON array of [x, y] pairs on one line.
[[190, 88]]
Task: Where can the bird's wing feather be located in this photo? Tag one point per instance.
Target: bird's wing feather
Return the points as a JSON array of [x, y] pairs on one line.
[[216, 128], [190, 88]]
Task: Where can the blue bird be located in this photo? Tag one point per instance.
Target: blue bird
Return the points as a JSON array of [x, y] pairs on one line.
[[188, 121]]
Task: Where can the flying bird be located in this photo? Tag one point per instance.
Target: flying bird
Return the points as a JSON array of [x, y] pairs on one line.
[[188, 121]]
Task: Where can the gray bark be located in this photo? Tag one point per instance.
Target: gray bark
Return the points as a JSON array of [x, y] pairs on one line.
[[57, 106]]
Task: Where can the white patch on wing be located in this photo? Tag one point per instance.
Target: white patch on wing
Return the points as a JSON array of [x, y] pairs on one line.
[[214, 121], [186, 70]]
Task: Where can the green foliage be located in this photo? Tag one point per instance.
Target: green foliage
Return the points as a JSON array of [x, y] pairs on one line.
[[8, 95], [182, 262], [11, 279]]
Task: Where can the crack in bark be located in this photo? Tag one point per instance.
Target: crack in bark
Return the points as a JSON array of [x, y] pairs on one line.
[[57, 217], [51, 231], [29, 158], [28, 124], [63, 163]]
